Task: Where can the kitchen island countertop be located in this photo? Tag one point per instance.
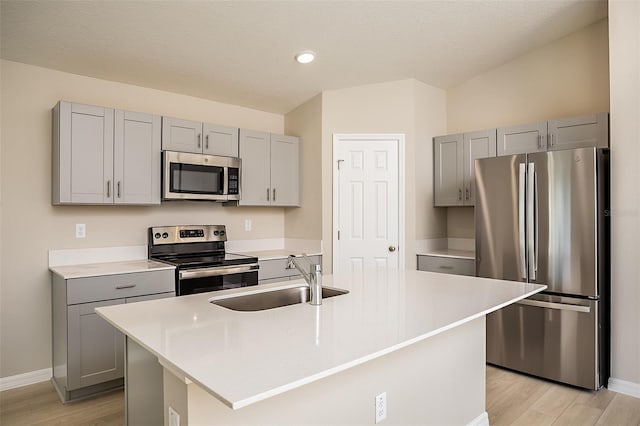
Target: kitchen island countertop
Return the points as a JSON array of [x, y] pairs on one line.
[[244, 357]]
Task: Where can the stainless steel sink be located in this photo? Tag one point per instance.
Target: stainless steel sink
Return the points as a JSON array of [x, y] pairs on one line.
[[273, 299]]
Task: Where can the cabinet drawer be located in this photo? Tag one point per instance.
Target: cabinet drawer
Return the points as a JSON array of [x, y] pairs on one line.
[[447, 265], [106, 287]]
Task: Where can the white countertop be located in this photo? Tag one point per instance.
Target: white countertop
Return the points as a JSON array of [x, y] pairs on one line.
[[459, 254], [244, 357], [108, 268]]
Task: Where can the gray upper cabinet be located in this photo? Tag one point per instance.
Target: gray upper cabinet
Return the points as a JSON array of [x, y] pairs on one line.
[[565, 133], [454, 171], [200, 138], [136, 158], [104, 156], [270, 169], [522, 139], [82, 155], [448, 174], [285, 170], [480, 144], [579, 132]]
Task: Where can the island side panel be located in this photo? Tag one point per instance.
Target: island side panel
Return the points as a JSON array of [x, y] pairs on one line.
[[440, 380], [143, 387]]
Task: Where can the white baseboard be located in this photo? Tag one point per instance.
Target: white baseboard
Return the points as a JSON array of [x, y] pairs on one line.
[[622, 386], [19, 380], [481, 420]]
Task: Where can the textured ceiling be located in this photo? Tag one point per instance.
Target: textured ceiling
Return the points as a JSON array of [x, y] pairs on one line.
[[242, 52]]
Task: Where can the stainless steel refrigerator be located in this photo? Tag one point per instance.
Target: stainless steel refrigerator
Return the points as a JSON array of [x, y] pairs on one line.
[[544, 218]]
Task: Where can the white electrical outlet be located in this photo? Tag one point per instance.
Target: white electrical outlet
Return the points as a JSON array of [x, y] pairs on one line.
[[381, 407], [247, 224], [174, 417], [81, 230]]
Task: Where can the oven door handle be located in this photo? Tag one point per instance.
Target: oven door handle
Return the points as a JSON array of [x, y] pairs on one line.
[[221, 270]]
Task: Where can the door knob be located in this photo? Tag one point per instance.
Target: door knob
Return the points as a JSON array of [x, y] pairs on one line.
[[392, 248]]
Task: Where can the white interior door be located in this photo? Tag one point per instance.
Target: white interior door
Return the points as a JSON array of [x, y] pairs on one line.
[[367, 202]]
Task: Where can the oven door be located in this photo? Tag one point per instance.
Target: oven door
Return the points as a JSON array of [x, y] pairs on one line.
[[194, 176], [202, 280]]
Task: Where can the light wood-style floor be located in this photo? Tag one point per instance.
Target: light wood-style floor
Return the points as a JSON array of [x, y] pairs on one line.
[[512, 399]]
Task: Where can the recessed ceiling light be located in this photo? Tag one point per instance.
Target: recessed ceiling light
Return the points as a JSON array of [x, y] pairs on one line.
[[305, 57]]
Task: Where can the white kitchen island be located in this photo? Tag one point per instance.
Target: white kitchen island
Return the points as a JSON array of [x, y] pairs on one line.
[[417, 336]]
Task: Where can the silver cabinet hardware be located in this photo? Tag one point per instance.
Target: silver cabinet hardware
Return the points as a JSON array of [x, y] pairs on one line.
[[274, 194], [109, 189], [459, 194], [392, 248], [207, 142], [118, 189], [123, 286], [268, 195], [199, 142]]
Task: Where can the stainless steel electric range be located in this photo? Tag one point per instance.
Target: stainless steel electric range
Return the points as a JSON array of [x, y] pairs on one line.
[[201, 261]]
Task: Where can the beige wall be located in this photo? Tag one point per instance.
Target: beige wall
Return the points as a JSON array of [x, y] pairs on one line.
[[306, 121], [624, 47], [565, 78], [385, 108], [31, 225]]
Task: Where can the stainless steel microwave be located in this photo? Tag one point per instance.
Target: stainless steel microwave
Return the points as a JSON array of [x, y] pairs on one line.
[[187, 176]]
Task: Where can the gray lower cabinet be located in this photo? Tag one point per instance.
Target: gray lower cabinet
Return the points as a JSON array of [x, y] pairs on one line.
[[88, 353], [447, 265], [275, 270]]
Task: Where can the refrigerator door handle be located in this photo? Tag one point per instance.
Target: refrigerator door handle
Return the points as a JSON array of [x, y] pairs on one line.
[[521, 223], [554, 305], [531, 221]]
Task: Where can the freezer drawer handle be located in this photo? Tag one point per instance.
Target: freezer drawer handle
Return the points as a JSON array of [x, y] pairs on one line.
[[552, 305]]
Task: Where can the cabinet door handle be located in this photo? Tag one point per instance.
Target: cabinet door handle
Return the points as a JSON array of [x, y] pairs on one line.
[[268, 194], [199, 143], [123, 286], [459, 194], [118, 189], [109, 188], [551, 139], [207, 142], [274, 194], [445, 267], [467, 194]]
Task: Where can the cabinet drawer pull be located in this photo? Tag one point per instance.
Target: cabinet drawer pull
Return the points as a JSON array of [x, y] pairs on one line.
[[459, 194], [199, 143], [123, 286], [109, 189], [207, 142], [274, 194], [445, 267], [268, 194], [118, 189]]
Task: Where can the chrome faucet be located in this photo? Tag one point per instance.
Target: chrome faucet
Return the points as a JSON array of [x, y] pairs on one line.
[[313, 277]]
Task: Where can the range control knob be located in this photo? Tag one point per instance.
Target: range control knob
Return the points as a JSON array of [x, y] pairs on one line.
[[216, 233], [221, 233], [165, 235], [156, 235]]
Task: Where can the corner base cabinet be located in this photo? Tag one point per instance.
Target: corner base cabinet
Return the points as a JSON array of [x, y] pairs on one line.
[[88, 353]]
